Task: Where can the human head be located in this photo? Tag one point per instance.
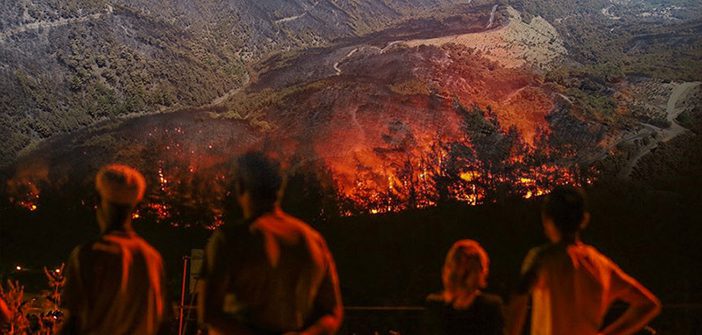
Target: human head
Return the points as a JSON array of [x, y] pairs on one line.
[[465, 269], [257, 182], [120, 188], [564, 213]]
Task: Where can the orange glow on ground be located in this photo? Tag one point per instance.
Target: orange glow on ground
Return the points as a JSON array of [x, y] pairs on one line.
[[454, 127], [411, 165]]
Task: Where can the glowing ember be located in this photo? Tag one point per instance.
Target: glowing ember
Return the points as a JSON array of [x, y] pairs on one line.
[[27, 201], [163, 182], [469, 175], [160, 210]]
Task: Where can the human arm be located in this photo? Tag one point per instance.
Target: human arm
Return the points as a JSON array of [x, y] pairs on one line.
[[516, 309], [327, 306], [516, 312], [497, 317], [209, 306], [643, 305], [212, 289]]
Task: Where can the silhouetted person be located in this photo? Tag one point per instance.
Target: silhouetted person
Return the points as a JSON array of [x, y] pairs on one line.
[[572, 284], [269, 273], [115, 284], [461, 308]]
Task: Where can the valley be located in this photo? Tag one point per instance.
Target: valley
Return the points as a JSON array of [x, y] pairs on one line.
[[402, 125], [489, 91]]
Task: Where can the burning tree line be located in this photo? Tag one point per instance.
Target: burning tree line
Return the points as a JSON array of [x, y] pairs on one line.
[[411, 166], [483, 164]]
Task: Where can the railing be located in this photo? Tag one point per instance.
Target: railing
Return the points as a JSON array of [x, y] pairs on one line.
[[683, 319], [676, 318]]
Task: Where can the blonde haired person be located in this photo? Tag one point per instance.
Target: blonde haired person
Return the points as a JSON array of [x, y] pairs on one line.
[[115, 284], [462, 308]]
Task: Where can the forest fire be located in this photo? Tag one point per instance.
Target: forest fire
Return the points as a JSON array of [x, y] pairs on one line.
[[446, 125], [435, 182], [465, 156], [454, 127], [403, 129], [24, 190]]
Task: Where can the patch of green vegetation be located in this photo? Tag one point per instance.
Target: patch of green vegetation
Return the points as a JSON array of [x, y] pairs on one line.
[[601, 107], [589, 87], [95, 74], [410, 87]]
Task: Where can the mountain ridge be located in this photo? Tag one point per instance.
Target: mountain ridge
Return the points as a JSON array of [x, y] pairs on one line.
[[67, 64]]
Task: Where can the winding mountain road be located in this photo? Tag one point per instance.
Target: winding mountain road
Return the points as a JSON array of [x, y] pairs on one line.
[[336, 65], [673, 111], [658, 135], [492, 17]]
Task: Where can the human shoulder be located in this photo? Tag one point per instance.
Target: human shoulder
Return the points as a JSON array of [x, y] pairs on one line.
[[539, 251], [81, 249], [546, 252], [231, 231], [119, 241], [435, 302], [148, 250], [536, 256], [593, 252], [490, 306], [299, 224], [304, 229], [78, 254], [226, 241], [435, 298], [94, 247], [86, 255], [532, 267], [490, 300], [218, 250]]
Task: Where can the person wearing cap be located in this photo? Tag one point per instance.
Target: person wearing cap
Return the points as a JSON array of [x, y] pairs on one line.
[[269, 273], [115, 284]]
